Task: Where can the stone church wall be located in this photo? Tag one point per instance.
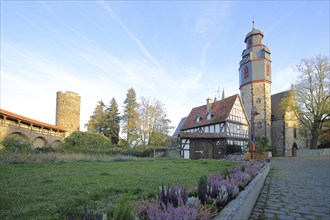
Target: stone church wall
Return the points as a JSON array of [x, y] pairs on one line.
[[278, 137]]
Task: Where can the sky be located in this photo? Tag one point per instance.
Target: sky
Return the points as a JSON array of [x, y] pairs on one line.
[[177, 52]]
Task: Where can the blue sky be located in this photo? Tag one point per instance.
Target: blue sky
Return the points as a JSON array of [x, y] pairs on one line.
[[178, 52]]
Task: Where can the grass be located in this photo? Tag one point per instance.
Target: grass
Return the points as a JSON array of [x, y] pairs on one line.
[[47, 190]]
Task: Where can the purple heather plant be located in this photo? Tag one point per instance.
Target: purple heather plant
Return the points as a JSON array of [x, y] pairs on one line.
[[215, 189], [252, 170], [156, 210], [254, 167], [218, 180], [160, 211], [240, 178], [232, 187], [172, 195]]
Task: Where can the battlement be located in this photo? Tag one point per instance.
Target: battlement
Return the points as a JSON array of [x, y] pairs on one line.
[[67, 93]]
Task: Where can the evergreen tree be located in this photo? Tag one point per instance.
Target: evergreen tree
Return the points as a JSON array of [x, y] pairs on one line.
[[111, 129], [105, 121], [96, 121], [130, 118]]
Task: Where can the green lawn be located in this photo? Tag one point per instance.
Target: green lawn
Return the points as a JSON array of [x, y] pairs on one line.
[[47, 190]]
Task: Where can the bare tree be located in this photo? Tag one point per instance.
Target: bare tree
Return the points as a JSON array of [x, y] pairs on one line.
[[311, 103]]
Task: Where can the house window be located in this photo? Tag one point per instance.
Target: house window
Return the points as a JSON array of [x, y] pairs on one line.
[[197, 119], [294, 132], [217, 128], [209, 116], [246, 72]]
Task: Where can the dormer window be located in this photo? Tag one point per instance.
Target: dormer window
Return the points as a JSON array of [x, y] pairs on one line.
[[198, 119], [209, 115]]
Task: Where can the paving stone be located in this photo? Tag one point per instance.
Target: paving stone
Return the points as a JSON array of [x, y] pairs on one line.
[[296, 188], [283, 217], [269, 215]]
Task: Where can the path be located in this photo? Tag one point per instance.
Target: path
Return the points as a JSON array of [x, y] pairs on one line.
[[296, 188]]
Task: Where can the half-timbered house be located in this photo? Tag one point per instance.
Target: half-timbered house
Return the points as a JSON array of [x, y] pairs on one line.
[[211, 129]]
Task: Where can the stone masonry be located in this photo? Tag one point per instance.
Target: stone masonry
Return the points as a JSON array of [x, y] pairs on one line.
[[68, 111]]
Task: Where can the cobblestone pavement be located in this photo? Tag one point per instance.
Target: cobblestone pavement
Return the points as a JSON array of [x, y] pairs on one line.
[[295, 188]]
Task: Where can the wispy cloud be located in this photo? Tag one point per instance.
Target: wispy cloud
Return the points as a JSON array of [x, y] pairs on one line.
[[46, 6], [140, 45], [203, 56], [212, 18]]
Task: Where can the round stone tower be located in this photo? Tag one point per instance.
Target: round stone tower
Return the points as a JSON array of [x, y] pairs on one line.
[[68, 111], [255, 84]]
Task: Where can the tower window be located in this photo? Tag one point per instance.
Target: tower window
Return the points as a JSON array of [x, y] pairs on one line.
[[246, 72], [250, 42], [268, 69]]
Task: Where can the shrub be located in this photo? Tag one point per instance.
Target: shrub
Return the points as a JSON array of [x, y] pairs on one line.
[[86, 142], [232, 149], [16, 145], [123, 210], [261, 144], [135, 152], [44, 150], [202, 188], [324, 145]]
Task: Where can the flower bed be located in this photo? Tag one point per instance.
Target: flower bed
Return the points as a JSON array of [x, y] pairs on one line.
[[214, 192]]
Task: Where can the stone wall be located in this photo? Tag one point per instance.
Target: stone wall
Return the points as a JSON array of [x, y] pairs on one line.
[[38, 139], [313, 153], [278, 137]]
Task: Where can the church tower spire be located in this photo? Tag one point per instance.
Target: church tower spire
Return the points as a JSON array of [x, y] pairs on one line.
[[255, 84]]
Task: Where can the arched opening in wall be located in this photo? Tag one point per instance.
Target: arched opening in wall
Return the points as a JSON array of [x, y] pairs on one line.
[[39, 142], [56, 145], [16, 142], [18, 136]]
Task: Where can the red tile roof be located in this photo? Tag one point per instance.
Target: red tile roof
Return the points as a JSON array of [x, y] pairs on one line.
[[220, 109], [30, 121]]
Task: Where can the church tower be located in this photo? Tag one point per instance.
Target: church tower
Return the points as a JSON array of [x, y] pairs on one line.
[[255, 84]]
